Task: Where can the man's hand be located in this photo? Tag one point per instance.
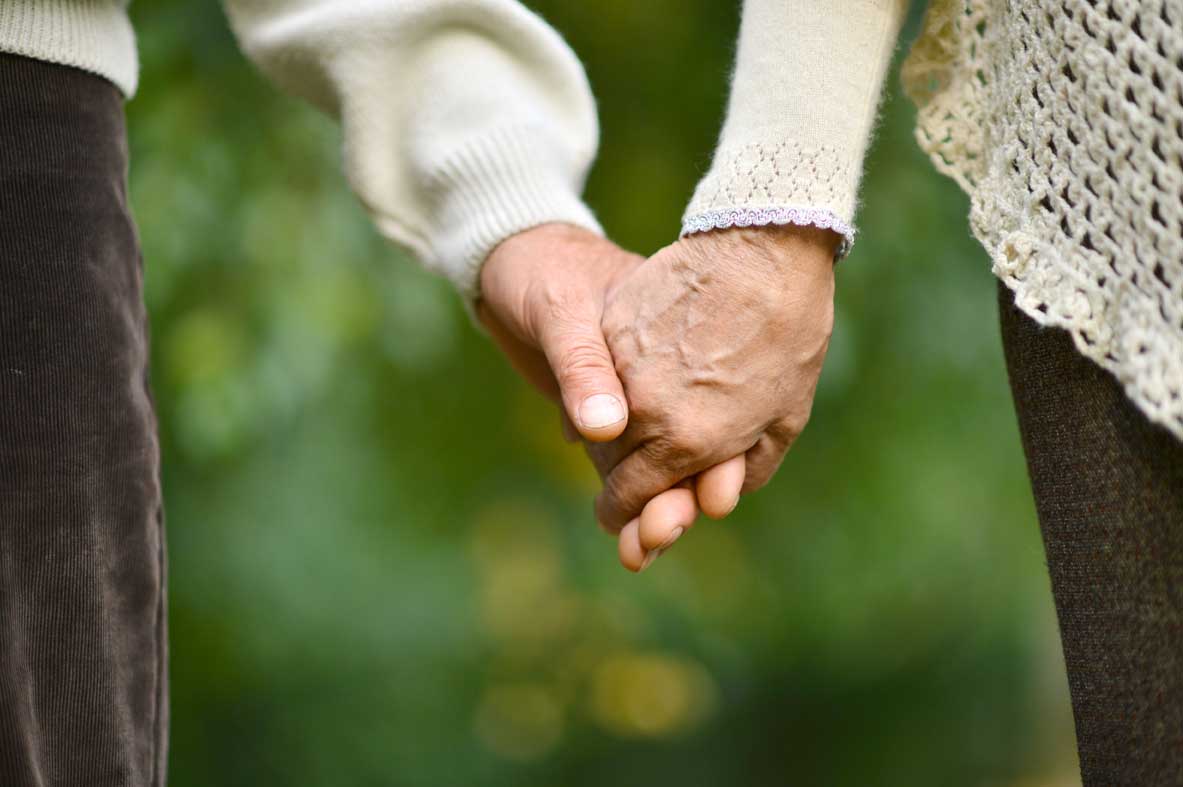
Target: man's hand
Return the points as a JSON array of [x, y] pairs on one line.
[[543, 297], [719, 339], [542, 300]]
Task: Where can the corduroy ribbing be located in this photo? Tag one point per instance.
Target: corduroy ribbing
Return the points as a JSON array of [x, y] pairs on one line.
[[94, 35], [83, 683]]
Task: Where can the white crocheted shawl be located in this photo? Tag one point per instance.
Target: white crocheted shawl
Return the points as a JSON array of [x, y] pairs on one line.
[[1063, 120]]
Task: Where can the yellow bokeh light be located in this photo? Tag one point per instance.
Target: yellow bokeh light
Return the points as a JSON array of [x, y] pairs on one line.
[[519, 721], [651, 695]]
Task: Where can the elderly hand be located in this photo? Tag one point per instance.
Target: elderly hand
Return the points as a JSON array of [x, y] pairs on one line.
[[542, 300], [543, 297], [719, 339]]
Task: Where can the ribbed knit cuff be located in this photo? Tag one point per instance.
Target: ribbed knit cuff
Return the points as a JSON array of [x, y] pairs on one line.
[[497, 186], [94, 35]]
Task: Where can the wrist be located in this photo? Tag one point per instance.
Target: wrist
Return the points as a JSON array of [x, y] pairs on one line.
[[533, 246], [785, 251], [500, 185]]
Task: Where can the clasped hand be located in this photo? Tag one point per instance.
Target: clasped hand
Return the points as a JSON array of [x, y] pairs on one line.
[[688, 375]]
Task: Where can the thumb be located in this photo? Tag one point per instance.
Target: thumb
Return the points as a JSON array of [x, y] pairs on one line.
[[582, 364]]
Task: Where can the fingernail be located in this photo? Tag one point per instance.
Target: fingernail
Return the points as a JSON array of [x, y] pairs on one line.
[[652, 555], [600, 410], [674, 536]]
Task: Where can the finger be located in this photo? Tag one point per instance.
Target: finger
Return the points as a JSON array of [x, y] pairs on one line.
[[596, 453], [639, 478], [606, 456], [763, 459], [592, 393], [628, 547], [666, 517], [718, 487]]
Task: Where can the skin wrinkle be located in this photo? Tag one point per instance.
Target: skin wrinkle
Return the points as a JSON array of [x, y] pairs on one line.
[[719, 340], [715, 344]]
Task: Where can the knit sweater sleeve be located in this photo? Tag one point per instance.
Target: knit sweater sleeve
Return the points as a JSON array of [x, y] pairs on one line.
[[803, 100], [464, 121]]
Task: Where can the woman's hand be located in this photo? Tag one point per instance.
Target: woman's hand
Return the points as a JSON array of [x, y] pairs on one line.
[[543, 297], [719, 340], [666, 517]]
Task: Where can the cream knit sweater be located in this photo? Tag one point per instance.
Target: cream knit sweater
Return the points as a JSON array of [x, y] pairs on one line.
[[465, 121]]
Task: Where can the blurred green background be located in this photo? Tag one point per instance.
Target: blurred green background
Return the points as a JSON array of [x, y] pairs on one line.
[[384, 568]]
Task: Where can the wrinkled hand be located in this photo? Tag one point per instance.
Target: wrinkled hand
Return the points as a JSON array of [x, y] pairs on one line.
[[719, 339], [544, 292]]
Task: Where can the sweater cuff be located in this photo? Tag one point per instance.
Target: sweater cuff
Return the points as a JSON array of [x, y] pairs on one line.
[[96, 37], [776, 182], [499, 185]]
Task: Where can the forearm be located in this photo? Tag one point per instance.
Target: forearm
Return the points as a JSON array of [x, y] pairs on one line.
[[803, 99], [464, 121]]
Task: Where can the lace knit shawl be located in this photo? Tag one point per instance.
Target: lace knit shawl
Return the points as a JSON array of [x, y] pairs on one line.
[[1063, 121]]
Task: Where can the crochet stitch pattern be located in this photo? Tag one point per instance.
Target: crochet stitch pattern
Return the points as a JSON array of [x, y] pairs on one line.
[[1063, 121]]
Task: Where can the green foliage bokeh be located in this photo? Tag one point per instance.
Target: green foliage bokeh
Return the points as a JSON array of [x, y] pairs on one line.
[[383, 564]]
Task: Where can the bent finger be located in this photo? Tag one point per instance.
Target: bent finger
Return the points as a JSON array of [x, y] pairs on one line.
[[718, 487], [630, 485], [666, 517], [628, 547], [763, 459], [592, 394]]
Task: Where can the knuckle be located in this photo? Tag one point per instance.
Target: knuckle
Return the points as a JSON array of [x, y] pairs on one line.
[[690, 437], [618, 502], [554, 295], [644, 402], [632, 484], [758, 478], [695, 446], [801, 421], [763, 460], [607, 510], [786, 430], [670, 453], [553, 302], [756, 481], [615, 321], [661, 450], [580, 359]]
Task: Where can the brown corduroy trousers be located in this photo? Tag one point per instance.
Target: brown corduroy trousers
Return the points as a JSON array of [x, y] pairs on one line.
[[83, 680], [83, 688]]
